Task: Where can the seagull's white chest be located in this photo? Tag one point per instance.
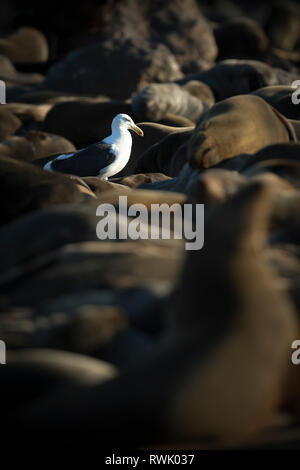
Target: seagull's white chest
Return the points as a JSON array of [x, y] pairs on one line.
[[121, 147]]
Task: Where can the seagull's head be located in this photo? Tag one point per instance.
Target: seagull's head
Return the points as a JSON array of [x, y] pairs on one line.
[[123, 121]]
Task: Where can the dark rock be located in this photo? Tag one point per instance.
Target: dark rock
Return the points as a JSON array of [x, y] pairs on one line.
[[114, 69], [283, 25], [241, 38]]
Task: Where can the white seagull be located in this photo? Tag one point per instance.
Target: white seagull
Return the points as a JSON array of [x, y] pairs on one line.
[[104, 158]]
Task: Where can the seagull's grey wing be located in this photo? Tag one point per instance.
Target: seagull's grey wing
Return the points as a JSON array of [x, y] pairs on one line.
[[86, 162]]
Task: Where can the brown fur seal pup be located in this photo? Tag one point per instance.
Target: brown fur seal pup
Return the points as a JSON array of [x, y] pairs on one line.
[[156, 100], [235, 77], [280, 97], [27, 45], [34, 145], [238, 125], [83, 122], [166, 156], [175, 394], [31, 188]]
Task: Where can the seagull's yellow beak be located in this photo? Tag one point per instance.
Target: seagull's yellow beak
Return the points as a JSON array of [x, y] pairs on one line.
[[137, 130]]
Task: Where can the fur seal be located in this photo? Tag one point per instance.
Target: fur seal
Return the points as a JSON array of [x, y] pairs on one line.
[[174, 120], [21, 238], [239, 125], [172, 395], [156, 100], [249, 224], [27, 45], [31, 188], [235, 77], [135, 264], [29, 112], [166, 156], [215, 185], [283, 152], [154, 135], [280, 97], [34, 145]]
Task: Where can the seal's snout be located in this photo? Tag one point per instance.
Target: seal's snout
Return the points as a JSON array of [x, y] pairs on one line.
[[203, 152]]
